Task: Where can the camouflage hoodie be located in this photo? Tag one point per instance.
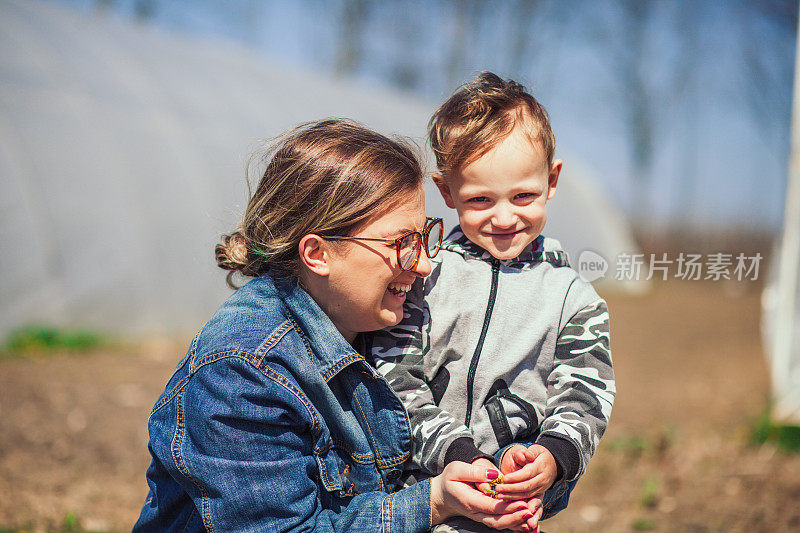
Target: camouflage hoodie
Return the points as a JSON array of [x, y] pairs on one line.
[[492, 353]]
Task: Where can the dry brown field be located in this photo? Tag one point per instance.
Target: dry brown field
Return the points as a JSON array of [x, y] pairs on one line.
[[691, 379]]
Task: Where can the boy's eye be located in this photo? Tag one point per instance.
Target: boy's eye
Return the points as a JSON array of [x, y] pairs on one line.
[[478, 199], [526, 195]]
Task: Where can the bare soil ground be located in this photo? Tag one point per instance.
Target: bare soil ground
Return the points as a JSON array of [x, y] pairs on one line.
[[691, 377]]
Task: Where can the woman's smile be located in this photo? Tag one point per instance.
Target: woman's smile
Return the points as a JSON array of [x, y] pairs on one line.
[[399, 290]]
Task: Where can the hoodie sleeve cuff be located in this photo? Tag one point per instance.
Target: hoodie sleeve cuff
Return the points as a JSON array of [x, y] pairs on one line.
[[567, 456], [464, 449]]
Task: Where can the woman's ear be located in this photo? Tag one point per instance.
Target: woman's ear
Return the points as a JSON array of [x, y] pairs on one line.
[[314, 254]]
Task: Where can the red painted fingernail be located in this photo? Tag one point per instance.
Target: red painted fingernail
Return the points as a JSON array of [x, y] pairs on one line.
[[492, 474]]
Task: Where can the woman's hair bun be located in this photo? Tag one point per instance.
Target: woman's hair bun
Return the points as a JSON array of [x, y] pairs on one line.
[[231, 253]]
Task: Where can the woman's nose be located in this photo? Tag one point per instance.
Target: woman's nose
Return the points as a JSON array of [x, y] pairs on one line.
[[423, 267]]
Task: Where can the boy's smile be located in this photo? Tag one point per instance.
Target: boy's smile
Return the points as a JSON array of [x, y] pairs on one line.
[[501, 196]]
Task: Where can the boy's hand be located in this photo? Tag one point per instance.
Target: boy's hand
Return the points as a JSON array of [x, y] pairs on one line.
[[533, 472], [507, 462], [514, 459]]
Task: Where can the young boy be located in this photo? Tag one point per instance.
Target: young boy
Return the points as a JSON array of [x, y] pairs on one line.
[[503, 347]]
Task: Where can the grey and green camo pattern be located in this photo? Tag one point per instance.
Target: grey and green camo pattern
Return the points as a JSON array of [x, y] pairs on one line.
[[544, 369]]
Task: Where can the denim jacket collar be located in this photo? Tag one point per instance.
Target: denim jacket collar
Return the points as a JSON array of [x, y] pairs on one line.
[[328, 349]]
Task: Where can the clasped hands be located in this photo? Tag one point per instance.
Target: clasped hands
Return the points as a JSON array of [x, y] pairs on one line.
[[526, 474]]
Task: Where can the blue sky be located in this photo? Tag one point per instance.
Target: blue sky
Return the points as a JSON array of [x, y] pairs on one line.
[[716, 162]]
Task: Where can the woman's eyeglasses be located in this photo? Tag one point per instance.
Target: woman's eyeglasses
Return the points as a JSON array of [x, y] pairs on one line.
[[409, 245]]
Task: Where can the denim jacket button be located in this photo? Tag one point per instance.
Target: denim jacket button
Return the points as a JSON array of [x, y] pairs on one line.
[[394, 475]]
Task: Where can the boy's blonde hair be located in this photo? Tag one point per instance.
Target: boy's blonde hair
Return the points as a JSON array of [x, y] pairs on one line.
[[329, 178], [481, 114]]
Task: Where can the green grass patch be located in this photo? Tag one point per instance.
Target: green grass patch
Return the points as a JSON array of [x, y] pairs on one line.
[[649, 494], [38, 339], [631, 444], [644, 524], [765, 430], [69, 524]]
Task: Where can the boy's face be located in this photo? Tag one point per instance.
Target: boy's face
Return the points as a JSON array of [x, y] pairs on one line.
[[500, 198]]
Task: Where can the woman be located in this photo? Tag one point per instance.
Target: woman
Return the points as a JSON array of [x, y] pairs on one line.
[[274, 420]]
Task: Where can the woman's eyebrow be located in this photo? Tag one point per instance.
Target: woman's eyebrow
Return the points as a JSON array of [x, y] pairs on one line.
[[399, 231]]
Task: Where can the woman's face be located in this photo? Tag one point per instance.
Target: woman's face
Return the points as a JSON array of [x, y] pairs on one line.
[[365, 288]]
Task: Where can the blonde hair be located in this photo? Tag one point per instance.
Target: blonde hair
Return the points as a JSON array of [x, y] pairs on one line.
[[481, 114], [327, 177]]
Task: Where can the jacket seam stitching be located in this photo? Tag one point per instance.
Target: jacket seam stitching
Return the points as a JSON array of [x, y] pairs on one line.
[[193, 351], [323, 468], [357, 457], [193, 347], [215, 356], [210, 358], [279, 379], [169, 396], [275, 377], [360, 458], [388, 520], [271, 341], [341, 364], [378, 458], [331, 371], [183, 469], [285, 383], [290, 318]]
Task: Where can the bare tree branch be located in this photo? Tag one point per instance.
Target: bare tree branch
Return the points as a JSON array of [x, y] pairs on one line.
[[351, 28]]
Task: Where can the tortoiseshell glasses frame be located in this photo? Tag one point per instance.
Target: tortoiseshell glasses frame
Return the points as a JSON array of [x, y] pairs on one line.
[[408, 245]]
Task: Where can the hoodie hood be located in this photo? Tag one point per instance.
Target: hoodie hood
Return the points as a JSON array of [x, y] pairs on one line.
[[541, 250]]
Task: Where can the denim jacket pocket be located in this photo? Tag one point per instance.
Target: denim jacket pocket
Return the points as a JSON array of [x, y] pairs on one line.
[[336, 472]]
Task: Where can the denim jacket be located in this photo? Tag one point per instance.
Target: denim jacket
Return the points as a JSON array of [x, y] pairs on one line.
[[273, 422]]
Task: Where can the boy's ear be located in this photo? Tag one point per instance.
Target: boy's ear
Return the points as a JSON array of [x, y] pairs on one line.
[[552, 179], [444, 189], [314, 254]]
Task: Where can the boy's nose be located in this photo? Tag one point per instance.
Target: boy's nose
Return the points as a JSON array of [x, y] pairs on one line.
[[503, 217]]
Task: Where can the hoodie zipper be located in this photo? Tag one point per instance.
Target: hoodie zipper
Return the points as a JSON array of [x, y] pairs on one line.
[[473, 364]]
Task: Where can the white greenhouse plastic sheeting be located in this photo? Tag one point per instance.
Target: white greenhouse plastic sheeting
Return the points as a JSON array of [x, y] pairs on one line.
[[782, 342], [122, 154], [781, 298]]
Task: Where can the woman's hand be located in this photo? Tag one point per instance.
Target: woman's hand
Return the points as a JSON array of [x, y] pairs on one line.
[[487, 464], [453, 493]]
